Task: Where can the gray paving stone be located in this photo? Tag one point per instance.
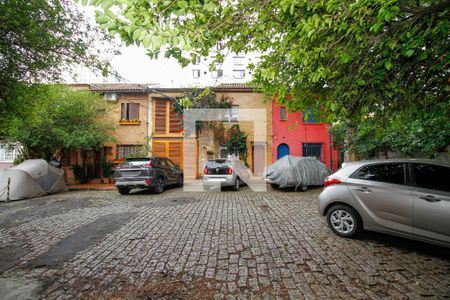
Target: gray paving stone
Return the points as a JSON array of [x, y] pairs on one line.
[[222, 240]]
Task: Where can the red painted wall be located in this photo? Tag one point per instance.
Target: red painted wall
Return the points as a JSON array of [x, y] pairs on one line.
[[294, 133]]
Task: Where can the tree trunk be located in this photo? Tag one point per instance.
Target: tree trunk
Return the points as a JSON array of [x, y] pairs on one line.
[[350, 154], [85, 165]]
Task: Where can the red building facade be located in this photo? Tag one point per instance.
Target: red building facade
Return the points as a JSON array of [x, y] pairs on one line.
[[299, 134]]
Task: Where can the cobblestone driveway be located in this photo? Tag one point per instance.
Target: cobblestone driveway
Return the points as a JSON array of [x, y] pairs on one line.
[[203, 245]]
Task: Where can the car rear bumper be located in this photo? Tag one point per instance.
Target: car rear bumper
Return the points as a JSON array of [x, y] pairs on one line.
[[324, 200], [216, 180], [135, 183]]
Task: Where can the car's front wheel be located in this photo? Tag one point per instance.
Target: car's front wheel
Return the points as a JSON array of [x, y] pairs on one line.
[[123, 190], [180, 181], [344, 221]]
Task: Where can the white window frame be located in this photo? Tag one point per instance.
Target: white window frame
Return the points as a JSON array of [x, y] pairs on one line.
[[238, 60], [217, 73], [196, 73], [239, 74]]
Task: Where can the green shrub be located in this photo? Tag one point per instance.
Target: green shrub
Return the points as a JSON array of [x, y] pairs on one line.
[[108, 168], [80, 173]]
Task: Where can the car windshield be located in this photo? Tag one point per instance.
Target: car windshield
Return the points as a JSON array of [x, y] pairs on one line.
[[137, 161]]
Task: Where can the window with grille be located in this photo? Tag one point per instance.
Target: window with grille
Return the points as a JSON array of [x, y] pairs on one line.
[[314, 150], [130, 111], [124, 150], [8, 154]]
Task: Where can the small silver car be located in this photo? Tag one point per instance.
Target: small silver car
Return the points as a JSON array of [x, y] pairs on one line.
[[224, 172], [408, 198]]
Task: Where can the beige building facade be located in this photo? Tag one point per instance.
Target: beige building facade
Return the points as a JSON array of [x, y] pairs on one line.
[[146, 124]]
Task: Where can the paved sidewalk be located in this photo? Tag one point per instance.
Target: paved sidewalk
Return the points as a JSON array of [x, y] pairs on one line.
[[195, 245], [91, 187]]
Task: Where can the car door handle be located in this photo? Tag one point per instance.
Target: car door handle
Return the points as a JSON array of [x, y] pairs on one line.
[[430, 198], [364, 190]]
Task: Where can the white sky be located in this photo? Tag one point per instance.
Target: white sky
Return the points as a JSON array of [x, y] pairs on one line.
[[133, 65]]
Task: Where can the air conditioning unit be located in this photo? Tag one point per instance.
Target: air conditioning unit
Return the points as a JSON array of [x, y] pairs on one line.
[[110, 96]]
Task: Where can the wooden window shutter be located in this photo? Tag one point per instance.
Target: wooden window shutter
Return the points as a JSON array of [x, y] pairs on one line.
[[123, 114], [160, 116], [175, 121], [134, 111]]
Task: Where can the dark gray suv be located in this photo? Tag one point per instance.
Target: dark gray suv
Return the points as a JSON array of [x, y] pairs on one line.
[[152, 173]]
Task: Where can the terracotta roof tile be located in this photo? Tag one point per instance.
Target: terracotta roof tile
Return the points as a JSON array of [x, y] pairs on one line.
[[233, 86], [120, 87]]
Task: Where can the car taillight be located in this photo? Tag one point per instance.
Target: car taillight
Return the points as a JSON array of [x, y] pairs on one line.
[[230, 171], [149, 165], [329, 182], [148, 181], [205, 171]]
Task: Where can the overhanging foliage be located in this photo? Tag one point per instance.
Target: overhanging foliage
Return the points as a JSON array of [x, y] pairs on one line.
[[357, 59]]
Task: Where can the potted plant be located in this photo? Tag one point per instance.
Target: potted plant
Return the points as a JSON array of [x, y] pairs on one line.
[[107, 171]]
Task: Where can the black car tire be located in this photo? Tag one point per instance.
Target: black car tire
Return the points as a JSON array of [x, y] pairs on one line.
[[237, 184], [123, 190], [302, 188], [159, 186], [275, 186], [351, 217], [180, 181]]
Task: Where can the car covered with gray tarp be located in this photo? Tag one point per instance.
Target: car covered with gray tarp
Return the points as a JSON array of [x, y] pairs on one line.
[[30, 179], [297, 172]]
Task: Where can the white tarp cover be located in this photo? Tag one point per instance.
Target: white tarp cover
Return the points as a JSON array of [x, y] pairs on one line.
[[295, 171], [32, 178], [239, 167]]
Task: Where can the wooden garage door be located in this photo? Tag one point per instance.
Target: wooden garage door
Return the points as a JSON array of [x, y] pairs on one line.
[[171, 149], [175, 153], [159, 149]]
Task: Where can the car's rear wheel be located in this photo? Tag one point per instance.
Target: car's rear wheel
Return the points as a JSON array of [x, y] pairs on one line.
[[123, 190], [275, 186], [344, 221], [237, 184], [159, 187]]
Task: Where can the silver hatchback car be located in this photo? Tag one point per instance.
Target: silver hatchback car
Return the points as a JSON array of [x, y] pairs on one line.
[[224, 172], [409, 198]]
